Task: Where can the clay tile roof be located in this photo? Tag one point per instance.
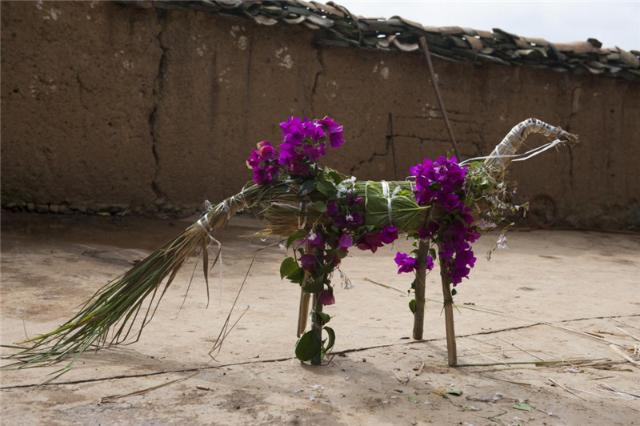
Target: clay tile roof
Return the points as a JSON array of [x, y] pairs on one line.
[[336, 26]]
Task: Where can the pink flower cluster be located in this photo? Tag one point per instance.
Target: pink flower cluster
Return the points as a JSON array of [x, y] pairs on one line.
[[376, 239], [440, 183], [263, 161], [408, 263], [304, 141], [349, 216]]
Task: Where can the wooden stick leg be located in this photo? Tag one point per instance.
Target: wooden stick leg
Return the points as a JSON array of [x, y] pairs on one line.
[[448, 317], [303, 312], [316, 326], [421, 274]]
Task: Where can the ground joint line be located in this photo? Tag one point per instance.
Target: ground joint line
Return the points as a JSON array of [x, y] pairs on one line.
[[267, 361]]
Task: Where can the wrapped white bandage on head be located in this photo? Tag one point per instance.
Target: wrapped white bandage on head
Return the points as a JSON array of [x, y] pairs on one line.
[[506, 150]]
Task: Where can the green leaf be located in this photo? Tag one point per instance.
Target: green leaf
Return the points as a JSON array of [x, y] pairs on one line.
[[288, 267], [318, 206], [331, 339], [307, 187], [313, 285], [340, 253], [334, 176], [297, 277], [291, 270], [523, 406], [298, 235], [327, 269], [454, 291], [324, 318], [412, 305], [326, 188], [308, 346]]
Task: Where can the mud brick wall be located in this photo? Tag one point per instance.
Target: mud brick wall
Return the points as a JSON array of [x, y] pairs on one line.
[[112, 109]]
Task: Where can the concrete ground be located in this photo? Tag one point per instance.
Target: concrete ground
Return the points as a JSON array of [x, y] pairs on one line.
[[552, 296]]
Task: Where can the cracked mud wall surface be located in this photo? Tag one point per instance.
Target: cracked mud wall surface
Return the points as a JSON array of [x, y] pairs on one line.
[[107, 105], [77, 83]]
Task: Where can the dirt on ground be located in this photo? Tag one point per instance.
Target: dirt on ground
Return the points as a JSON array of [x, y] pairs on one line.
[[566, 300]]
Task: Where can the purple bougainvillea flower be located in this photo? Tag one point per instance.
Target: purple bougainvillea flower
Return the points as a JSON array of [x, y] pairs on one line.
[[350, 197], [308, 262], [405, 262], [335, 131], [263, 163], [354, 220], [345, 242], [299, 168], [370, 241], [304, 142], [429, 262], [264, 152], [313, 129], [286, 155], [439, 179], [313, 151], [332, 208], [374, 240], [440, 183], [332, 260], [446, 252], [326, 297], [263, 176], [336, 139], [450, 202], [389, 234], [428, 231], [472, 236], [315, 239], [353, 200], [292, 131]]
